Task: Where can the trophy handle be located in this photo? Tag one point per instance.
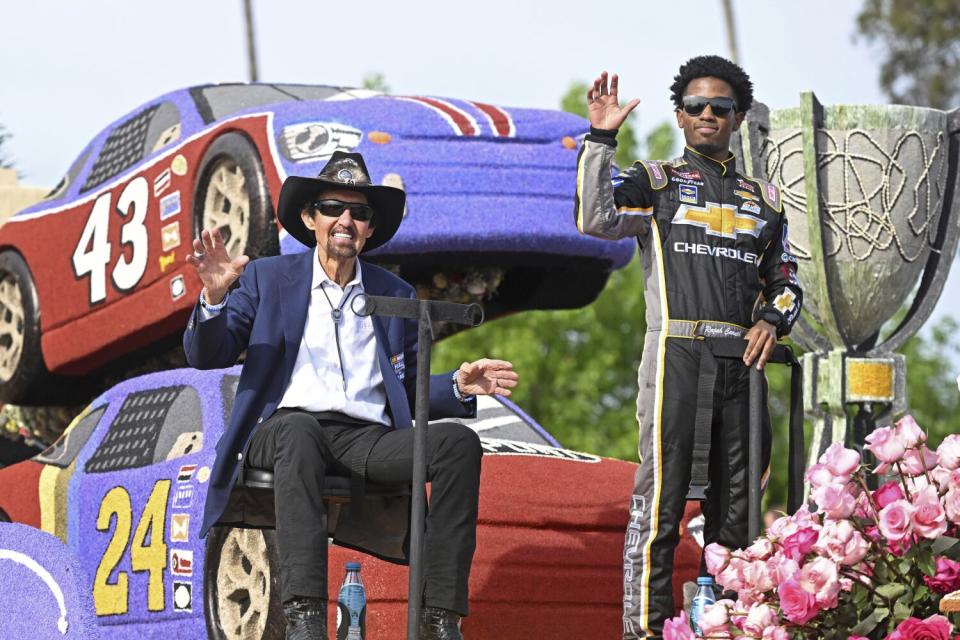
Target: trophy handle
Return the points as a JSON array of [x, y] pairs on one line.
[[942, 251]]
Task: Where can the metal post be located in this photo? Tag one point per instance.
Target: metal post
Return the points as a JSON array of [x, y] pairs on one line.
[[419, 498], [754, 454]]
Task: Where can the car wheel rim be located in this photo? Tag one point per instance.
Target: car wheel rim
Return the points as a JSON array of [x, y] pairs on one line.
[[243, 585], [11, 327], [226, 206]]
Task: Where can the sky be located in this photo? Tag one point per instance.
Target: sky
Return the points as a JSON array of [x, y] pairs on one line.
[[70, 68]]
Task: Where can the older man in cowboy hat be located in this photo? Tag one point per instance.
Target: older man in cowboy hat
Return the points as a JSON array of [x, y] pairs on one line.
[[324, 390]]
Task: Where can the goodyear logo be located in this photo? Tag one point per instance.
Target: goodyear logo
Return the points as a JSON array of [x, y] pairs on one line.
[[725, 221]]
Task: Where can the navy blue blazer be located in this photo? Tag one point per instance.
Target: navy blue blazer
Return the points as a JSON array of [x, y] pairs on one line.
[[266, 316]]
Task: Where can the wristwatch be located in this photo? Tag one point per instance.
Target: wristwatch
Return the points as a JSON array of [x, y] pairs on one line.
[[212, 308]]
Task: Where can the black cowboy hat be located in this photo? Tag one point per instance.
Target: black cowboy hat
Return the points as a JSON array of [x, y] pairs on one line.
[[342, 171]]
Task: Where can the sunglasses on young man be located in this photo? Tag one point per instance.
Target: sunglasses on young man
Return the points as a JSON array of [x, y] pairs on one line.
[[721, 106], [335, 209]]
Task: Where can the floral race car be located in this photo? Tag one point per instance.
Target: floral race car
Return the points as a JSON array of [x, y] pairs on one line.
[[124, 489], [96, 270]]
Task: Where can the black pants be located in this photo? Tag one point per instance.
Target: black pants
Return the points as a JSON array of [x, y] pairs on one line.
[[302, 449]]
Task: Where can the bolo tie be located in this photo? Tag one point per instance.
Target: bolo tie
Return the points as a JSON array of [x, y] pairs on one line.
[[337, 314]]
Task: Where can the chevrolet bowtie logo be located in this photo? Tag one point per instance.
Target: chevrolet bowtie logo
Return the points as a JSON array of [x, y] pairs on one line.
[[725, 220]]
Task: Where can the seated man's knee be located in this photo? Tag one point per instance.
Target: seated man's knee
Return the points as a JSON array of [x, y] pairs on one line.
[[460, 441], [299, 433]]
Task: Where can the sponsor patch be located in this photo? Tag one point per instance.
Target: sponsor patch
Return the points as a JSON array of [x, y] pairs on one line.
[[772, 194], [181, 562], [693, 174], [180, 527], [161, 182], [183, 497], [186, 473], [656, 171], [785, 301], [166, 261], [177, 288], [496, 446], [724, 221], [170, 236], [170, 205], [688, 194], [182, 596], [788, 257], [716, 252], [785, 240], [616, 182], [790, 274], [179, 165], [678, 180], [745, 195], [750, 206], [746, 186], [399, 367]]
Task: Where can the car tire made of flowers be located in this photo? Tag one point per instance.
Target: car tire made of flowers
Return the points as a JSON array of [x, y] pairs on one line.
[[22, 369], [231, 195], [241, 589]]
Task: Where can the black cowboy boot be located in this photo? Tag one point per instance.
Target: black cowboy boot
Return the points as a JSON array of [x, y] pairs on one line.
[[439, 624], [306, 618]]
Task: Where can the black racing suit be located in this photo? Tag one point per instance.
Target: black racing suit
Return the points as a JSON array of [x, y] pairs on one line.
[[714, 249]]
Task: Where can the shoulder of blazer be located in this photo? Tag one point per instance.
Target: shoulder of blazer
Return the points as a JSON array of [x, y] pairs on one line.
[[378, 278]]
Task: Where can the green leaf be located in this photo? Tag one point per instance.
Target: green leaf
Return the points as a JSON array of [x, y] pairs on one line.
[[905, 566], [901, 610], [927, 564], [921, 593], [891, 591], [946, 546], [870, 623]]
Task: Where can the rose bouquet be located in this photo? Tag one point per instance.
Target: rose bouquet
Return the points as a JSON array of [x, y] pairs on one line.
[[864, 564]]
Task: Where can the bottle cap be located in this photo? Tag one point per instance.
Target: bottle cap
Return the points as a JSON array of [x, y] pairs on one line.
[[353, 566], [705, 581]]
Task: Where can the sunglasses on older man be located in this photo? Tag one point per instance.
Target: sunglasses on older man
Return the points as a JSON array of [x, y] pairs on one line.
[[335, 209], [720, 106]]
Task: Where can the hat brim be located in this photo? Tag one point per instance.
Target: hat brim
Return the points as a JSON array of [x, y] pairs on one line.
[[387, 203]]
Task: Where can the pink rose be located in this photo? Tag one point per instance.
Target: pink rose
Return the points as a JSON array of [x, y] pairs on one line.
[[840, 461], [909, 432], [917, 461], [818, 475], [945, 478], [885, 445], [858, 638], [820, 578], [895, 520], [731, 577], [841, 542], [935, 627], [715, 621], [800, 543], [757, 576], [759, 617], [949, 452], [890, 492], [951, 504], [716, 557], [678, 628], [928, 517], [782, 568], [947, 578], [797, 604], [761, 549], [777, 633], [835, 500]]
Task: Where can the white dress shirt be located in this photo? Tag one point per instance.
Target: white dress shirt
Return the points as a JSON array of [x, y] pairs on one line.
[[327, 378]]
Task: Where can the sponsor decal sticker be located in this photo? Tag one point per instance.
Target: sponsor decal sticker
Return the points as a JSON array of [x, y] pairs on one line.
[[181, 562], [170, 236], [180, 527], [182, 596], [688, 193], [177, 288], [166, 260], [179, 165], [186, 472], [161, 182], [497, 446], [170, 205], [183, 498]]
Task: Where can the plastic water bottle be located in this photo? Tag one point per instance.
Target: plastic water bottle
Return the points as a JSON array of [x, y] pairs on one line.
[[704, 597], [352, 606]]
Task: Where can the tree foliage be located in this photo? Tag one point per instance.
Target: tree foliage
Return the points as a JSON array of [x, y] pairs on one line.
[[920, 41], [376, 81], [5, 161]]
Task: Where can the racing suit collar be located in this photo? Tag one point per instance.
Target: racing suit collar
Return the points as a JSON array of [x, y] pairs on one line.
[[705, 163]]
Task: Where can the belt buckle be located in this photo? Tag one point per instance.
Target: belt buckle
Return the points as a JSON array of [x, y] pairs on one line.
[[696, 329]]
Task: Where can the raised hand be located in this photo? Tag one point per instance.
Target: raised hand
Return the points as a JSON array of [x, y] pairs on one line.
[[486, 377], [603, 105], [217, 271]]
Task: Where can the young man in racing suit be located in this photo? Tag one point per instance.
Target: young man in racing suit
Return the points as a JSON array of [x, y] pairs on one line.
[[717, 263]]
